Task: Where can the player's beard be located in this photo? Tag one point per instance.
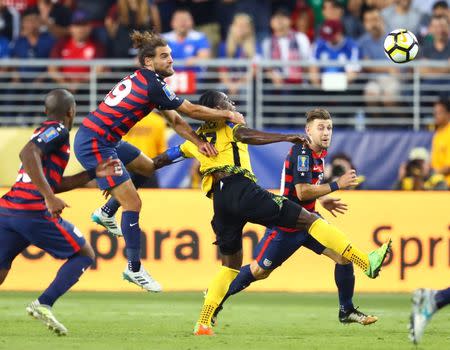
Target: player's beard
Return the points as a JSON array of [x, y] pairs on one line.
[[166, 72]]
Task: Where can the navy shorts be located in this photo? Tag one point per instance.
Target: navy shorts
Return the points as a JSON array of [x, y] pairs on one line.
[[277, 246], [91, 149], [57, 237]]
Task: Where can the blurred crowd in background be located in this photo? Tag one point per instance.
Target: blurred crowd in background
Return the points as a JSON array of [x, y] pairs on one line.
[[343, 30]]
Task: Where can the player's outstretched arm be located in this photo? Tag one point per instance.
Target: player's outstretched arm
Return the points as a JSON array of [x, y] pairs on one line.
[[109, 167], [206, 114], [256, 137], [183, 129], [31, 157]]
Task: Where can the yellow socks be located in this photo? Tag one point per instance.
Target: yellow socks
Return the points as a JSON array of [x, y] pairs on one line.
[[357, 257], [217, 290], [333, 238]]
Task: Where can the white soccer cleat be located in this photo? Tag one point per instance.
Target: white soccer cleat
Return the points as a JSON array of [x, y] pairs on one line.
[[423, 308], [107, 222], [143, 279], [44, 314]]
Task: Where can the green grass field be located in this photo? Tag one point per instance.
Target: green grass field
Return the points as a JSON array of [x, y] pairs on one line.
[[249, 321]]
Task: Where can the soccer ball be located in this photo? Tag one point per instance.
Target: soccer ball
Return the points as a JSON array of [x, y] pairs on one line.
[[401, 46]]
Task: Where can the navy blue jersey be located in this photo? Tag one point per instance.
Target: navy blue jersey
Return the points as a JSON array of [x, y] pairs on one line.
[[53, 139], [134, 97], [302, 165]]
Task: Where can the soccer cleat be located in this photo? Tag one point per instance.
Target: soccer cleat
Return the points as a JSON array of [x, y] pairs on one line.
[[356, 316], [143, 279], [423, 308], [44, 313], [201, 329], [107, 222], [376, 259], [214, 316]]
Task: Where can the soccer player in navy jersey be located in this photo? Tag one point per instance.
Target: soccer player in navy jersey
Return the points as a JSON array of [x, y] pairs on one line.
[[30, 211], [301, 183], [129, 101], [426, 302]]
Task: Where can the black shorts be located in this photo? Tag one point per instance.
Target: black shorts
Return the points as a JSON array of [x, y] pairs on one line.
[[238, 200]]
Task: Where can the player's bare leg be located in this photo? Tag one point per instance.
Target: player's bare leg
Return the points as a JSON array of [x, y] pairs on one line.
[[217, 290], [135, 273]]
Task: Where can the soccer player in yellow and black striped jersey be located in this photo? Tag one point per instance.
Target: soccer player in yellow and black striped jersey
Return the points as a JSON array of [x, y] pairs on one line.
[[229, 180]]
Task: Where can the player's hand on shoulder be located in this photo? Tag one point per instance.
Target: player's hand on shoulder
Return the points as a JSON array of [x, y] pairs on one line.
[[109, 167], [55, 205], [207, 149], [303, 139], [237, 118], [349, 179]]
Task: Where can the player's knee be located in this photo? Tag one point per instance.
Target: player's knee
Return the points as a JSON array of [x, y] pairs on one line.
[[88, 251], [258, 272], [132, 204], [306, 219]]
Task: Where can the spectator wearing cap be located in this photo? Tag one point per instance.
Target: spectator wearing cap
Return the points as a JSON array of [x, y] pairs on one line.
[[417, 175], [54, 17], [121, 20], [440, 149], [79, 45], [31, 44], [334, 46], [186, 43]]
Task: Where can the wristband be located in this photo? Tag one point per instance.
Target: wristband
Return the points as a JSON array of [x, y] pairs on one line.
[[174, 153], [334, 186], [92, 173]]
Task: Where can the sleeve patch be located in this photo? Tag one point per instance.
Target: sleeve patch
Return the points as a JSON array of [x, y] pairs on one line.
[[303, 163], [169, 93], [48, 135]]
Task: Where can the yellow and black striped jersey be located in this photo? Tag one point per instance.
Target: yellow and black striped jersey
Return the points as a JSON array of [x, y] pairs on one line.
[[233, 155]]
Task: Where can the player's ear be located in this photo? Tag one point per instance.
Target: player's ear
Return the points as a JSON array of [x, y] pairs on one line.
[[148, 62]]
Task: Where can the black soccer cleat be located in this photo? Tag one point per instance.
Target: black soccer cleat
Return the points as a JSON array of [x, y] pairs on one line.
[[356, 316]]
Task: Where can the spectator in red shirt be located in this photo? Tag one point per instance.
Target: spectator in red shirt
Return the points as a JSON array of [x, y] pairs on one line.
[[79, 45]]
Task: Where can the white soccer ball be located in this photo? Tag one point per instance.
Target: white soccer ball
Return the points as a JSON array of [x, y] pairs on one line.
[[401, 46]]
